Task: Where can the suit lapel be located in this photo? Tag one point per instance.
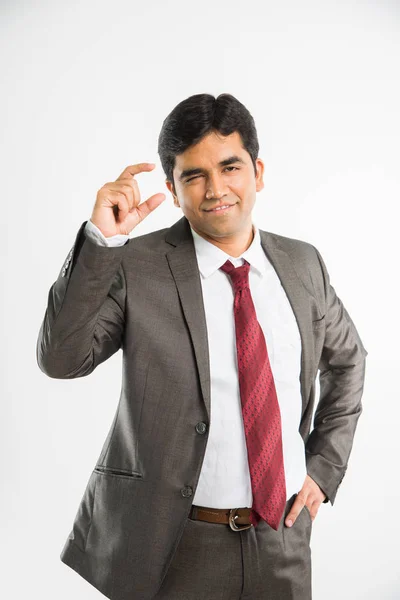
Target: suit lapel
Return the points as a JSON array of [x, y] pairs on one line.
[[299, 301], [184, 268], [185, 271]]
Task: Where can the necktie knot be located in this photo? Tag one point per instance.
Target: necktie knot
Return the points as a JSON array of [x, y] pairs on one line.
[[238, 275]]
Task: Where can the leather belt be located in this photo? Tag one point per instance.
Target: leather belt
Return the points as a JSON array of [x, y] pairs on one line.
[[238, 519]]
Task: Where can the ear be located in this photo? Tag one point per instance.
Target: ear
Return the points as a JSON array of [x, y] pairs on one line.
[[171, 189], [260, 175]]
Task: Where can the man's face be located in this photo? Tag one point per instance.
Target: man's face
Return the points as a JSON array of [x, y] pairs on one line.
[[203, 180]]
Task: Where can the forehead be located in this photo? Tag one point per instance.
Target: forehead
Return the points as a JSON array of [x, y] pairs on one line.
[[213, 148]]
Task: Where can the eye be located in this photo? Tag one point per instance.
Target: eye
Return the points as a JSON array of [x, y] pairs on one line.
[[191, 179], [195, 176]]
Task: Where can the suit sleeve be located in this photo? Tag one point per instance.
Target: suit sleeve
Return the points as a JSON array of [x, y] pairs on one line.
[[83, 324], [341, 378]]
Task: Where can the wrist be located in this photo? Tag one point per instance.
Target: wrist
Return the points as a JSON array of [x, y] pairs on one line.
[[97, 235]]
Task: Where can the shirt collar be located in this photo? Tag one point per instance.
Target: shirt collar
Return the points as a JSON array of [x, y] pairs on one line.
[[210, 258]]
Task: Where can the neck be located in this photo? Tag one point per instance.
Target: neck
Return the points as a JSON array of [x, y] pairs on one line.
[[232, 245]]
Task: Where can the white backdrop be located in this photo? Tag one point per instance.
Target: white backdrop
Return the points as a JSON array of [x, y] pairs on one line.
[[85, 87]]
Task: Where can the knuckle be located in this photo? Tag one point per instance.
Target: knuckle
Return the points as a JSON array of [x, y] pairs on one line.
[[127, 189], [102, 191]]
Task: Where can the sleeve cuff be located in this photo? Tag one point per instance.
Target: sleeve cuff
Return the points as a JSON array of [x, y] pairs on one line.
[[96, 236]]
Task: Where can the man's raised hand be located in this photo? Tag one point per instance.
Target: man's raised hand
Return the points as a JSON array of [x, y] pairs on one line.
[[117, 209]]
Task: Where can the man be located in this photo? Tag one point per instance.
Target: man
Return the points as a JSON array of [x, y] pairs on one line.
[[209, 480]]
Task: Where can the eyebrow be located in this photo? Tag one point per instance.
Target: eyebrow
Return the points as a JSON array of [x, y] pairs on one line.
[[223, 163]]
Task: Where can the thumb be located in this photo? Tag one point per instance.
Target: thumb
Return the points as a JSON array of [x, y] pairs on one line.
[[145, 208]]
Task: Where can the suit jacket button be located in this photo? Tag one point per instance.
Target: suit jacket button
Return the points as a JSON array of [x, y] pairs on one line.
[[201, 427], [187, 491]]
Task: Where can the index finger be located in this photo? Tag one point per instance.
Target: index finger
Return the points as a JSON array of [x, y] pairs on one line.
[[294, 511], [133, 170]]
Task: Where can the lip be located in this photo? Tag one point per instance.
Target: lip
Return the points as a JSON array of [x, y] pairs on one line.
[[224, 210]]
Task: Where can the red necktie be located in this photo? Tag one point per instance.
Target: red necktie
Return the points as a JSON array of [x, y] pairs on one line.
[[260, 408]]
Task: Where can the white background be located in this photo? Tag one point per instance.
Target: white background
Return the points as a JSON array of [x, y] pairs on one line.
[[85, 87]]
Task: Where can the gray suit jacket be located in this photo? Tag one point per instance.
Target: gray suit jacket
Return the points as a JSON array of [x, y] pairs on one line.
[[146, 298]]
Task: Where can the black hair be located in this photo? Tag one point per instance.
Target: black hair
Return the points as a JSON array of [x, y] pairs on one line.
[[198, 115]]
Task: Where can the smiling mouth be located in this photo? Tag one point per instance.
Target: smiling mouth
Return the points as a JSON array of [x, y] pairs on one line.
[[220, 210]]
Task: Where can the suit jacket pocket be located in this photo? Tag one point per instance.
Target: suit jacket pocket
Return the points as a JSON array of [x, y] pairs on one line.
[[116, 472]]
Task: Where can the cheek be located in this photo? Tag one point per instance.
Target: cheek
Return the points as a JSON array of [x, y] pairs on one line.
[[243, 193], [249, 191], [194, 199], [243, 186], [190, 203]]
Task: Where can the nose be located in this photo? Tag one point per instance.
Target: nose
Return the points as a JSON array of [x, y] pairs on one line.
[[211, 194], [215, 188]]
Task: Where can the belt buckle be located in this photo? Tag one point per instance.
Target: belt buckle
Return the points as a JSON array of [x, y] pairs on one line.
[[232, 524]]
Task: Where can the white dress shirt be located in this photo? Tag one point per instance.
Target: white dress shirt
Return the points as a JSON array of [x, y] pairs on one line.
[[224, 480]]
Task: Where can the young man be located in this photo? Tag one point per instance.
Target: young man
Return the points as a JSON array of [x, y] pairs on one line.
[[209, 480]]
